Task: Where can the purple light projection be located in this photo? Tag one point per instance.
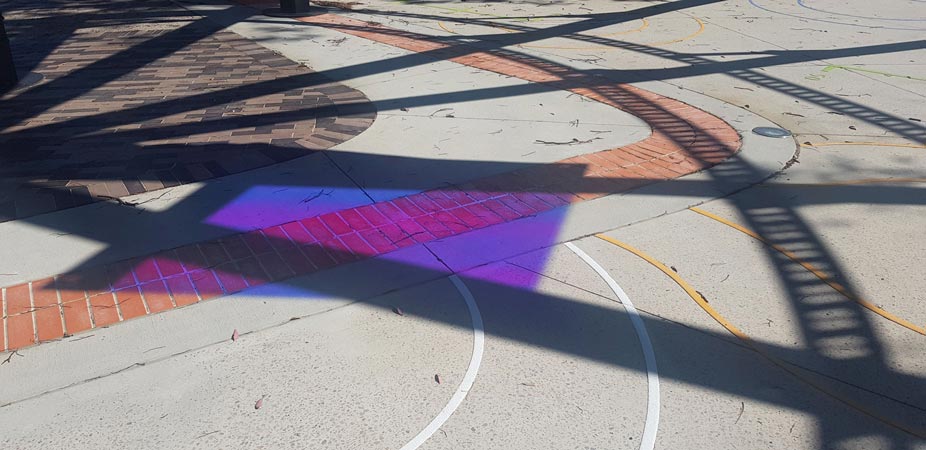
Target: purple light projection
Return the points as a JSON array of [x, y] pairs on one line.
[[511, 225], [265, 205], [462, 230]]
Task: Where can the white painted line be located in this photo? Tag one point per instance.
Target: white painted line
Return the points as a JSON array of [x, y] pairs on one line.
[[649, 356], [468, 378]]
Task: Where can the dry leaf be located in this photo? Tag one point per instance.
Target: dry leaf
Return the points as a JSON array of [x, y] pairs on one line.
[[397, 310], [437, 378], [235, 335]]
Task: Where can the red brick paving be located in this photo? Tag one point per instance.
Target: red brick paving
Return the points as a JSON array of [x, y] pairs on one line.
[[139, 96], [684, 140]]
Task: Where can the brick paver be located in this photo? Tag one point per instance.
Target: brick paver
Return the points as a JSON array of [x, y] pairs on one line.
[[684, 140], [138, 96]]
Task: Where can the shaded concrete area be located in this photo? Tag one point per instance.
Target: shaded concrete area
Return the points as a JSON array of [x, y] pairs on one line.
[[369, 354], [136, 97]]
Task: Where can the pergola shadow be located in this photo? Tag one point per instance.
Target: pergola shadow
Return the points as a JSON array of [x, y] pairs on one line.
[[777, 220]]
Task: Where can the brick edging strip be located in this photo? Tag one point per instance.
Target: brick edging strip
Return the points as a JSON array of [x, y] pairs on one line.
[[684, 140]]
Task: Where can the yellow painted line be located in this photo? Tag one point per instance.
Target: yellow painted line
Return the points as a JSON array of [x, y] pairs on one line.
[[682, 283], [817, 272], [642, 27], [701, 27], [784, 365], [468, 11], [872, 144], [847, 183], [441, 24], [556, 47], [876, 72], [507, 30], [447, 29], [686, 38]]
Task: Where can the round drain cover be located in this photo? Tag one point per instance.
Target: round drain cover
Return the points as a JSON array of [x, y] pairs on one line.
[[771, 132]]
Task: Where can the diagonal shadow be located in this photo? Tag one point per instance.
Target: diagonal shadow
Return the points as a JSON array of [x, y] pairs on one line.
[[102, 71], [500, 43], [38, 28], [522, 314], [781, 224], [82, 128], [88, 137], [496, 42], [762, 220]]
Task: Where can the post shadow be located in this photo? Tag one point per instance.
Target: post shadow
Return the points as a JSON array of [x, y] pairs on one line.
[[8, 76]]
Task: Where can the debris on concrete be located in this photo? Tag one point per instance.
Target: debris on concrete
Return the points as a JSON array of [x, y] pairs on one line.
[[574, 141], [10, 358]]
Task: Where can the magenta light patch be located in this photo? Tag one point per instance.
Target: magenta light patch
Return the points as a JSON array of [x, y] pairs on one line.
[[405, 240], [463, 229], [503, 241], [264, 205]]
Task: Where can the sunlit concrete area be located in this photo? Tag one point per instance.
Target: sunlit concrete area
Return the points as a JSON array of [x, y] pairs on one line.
[[402, 224]]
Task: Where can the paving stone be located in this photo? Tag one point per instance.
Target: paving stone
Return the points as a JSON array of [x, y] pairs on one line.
[[157, 97]]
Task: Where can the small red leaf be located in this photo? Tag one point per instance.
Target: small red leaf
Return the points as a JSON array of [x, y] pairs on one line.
[[235, 335], [260, 402]]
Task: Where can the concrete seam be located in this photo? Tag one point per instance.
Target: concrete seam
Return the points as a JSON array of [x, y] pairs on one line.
[[468, 378], [651, 424]]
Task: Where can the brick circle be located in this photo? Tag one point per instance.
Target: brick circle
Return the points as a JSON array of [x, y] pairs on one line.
[[134, 106]]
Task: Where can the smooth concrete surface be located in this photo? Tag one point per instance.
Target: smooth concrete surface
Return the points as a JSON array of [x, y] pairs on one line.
[[105, 232], [354, 374], [437, 111], [562, 367], [138, 342], [404, 152]]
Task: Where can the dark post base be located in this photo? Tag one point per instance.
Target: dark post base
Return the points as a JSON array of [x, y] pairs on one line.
[[289, 8], [8, 76]]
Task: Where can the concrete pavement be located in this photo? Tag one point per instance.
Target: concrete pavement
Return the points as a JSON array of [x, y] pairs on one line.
[[374, 353]]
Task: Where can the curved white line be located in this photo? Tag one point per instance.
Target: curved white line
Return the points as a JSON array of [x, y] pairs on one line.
[[468, 378], [649, 356]]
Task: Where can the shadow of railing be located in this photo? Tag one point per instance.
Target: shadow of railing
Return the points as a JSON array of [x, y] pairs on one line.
[[781, 223]]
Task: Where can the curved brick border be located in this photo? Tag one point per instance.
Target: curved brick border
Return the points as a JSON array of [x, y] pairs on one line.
[[124, 110], [684, 140]]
